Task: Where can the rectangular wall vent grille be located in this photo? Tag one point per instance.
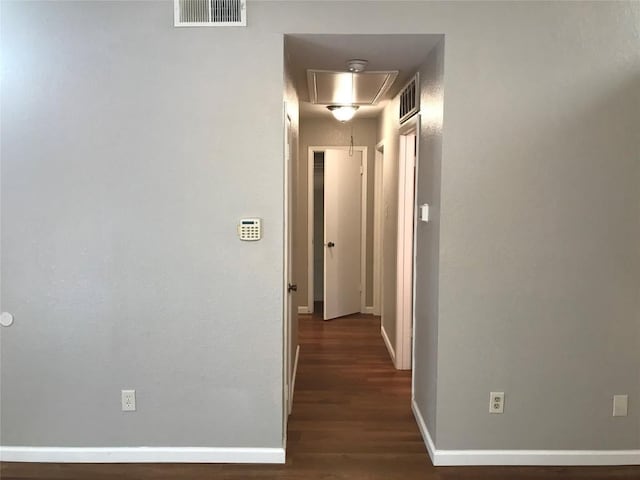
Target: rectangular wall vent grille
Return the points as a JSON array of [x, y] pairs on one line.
[[210, 13], [410, 99]]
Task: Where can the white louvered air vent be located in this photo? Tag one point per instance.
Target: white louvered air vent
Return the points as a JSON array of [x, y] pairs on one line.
[[410, 99], [210, 13]]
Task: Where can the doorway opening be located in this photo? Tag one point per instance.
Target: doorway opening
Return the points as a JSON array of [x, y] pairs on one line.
[[375, 281], [318, 233]]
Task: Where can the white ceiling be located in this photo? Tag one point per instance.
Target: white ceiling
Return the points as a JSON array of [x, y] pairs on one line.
[[404, 53]]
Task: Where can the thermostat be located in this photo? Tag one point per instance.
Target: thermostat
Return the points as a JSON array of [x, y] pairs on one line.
[[250, 229]]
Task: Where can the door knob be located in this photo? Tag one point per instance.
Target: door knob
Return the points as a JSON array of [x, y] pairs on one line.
[[292, 287], [331, 244]]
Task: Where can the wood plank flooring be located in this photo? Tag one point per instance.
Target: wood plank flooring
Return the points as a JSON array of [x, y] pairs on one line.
[[351, 420]]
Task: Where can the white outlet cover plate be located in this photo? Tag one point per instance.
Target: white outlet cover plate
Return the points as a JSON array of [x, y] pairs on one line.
[[128, 400], [496, 402]]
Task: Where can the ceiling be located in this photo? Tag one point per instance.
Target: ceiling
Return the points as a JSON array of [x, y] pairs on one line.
[[364, 88], [404, 53]]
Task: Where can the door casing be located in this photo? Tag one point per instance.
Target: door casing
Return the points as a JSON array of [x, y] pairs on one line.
[[289, 300], [405, 281], [377, 231]]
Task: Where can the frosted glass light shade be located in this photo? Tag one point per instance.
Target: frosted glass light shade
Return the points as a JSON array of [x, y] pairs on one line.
[[343, 113]]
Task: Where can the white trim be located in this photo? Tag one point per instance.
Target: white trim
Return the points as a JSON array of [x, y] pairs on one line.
[[549, 458], [303, 310], [141, 455], [293, 379], [287, 301], [424, 431], [364, 185], [388, 343], [449, 458], [368, 310], [363, 222], [310, 248], [377, 229], [405, 260]]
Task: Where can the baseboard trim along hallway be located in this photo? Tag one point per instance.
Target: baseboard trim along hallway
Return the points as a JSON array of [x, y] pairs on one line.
[[292, 390], [388, 344], [577, 458], [141, 455]]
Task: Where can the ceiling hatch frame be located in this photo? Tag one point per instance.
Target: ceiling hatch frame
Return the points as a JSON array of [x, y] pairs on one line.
[[316, 80]]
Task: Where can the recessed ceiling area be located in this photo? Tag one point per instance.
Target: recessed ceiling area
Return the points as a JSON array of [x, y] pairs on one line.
[[364, 88], [404, 53]]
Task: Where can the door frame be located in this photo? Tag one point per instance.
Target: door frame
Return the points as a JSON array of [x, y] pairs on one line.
[[378, 238], [290, 311], [405, 280], [288, 249], [363, 223]]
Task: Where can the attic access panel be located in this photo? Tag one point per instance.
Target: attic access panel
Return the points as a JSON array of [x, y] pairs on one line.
[[335, 88]]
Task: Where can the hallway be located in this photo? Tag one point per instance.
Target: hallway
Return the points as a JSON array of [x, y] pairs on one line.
[[351, 420], [351, 415]]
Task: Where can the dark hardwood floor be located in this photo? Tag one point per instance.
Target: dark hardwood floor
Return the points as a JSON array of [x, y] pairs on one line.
[[351, 420]]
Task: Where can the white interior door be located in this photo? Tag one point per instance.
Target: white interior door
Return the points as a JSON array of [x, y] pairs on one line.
[[290, 308], [342, 230]]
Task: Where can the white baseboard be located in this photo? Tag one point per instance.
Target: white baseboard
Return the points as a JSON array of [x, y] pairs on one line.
[[368, 310], [303, 310], [441, 458], [141, 455], [387, 342], [548, 458], [424, 431], [293, 378]]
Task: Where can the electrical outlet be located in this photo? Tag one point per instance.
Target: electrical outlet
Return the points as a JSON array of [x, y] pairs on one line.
[[128, 400], [496, 402], [620, 405]]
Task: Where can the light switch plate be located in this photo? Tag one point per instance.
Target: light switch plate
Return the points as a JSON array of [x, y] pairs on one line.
[[424, 212]]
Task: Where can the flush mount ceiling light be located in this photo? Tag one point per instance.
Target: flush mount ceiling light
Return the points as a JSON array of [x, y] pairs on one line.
[[343, 113]]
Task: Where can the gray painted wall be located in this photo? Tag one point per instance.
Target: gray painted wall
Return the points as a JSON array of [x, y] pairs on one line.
[[330, 132], [130, 149], [540, 228], [388, 135], [120, 195], [427, 248]]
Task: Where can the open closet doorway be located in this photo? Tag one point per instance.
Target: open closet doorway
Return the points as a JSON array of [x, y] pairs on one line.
[[337, 230]]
